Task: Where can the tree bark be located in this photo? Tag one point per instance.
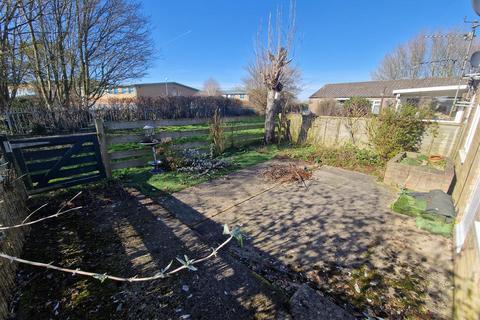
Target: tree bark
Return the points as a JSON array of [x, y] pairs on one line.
[[270, 114]]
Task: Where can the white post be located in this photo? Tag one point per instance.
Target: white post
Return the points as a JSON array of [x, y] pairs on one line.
[[397, 105]]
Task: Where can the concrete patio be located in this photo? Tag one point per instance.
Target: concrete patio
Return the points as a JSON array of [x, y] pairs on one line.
[[339, 226]]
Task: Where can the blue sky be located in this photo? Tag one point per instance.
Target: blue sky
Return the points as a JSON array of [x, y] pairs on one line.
[[338, 41]]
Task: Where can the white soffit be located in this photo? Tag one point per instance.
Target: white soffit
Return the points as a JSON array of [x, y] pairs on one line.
[[440, 91]]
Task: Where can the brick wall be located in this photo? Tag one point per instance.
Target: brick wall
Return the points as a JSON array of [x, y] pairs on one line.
[[418, 178]]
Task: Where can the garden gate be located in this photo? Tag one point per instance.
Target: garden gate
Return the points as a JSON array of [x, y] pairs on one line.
[[53, 162]]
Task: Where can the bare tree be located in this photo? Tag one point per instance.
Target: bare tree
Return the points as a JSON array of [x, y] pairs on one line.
[[116, 45], [271, 67], [12, 51], [438, 55], [78, 48], [258, 92], [211, 88]]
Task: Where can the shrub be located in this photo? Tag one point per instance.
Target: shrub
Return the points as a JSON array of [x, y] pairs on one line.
[[347, 157], [170, 108], [396, 131], [355, 110], [216, 134], [357, 107]]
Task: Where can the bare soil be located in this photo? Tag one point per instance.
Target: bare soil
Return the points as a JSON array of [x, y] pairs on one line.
[[121, 232]]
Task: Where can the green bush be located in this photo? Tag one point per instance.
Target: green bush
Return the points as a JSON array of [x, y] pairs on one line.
[[396, 131], [348, 157]]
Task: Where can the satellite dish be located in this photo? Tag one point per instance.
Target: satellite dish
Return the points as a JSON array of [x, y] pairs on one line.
[[475, 60], [476, 6]]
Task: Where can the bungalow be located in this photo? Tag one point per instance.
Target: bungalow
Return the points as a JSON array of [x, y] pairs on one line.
[[385, 93]]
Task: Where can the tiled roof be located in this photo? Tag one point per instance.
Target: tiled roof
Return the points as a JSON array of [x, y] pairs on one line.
[[376, 89]]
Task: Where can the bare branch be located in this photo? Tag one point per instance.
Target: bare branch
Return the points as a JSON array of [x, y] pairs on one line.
[[60, 212], [186, 264], [56, 215], [437, 55]]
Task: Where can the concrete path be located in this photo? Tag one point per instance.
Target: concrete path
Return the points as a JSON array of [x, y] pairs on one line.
[[341, 222]]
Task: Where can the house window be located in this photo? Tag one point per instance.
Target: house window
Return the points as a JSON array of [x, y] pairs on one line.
[[130, 89], [124, 90], [115, 90], [471, 134], [242, 96], [376, 106]]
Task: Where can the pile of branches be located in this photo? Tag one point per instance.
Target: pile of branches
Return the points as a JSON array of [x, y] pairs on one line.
[[287, 173], [201, 164]]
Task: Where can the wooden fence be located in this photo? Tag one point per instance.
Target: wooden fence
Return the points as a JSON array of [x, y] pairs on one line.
[[129, 134], [13, 210]]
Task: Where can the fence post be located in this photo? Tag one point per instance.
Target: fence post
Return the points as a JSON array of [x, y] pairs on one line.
[[6, 151], [102, 140]]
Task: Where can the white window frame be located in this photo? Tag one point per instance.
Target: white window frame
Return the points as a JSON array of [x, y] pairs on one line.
[[471, 134], [376, 102]]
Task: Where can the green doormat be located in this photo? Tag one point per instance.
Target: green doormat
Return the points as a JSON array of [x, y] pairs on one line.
[[415, 205]]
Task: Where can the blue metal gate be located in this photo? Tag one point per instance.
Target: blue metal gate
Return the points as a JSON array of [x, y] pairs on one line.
[[53, 162]]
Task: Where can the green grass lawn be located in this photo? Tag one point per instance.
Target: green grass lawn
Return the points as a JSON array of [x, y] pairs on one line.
[[174, 181], [230, 135], [189, 127]]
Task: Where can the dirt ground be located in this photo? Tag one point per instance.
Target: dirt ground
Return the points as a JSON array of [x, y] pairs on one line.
[[121, 232], [338, 234]]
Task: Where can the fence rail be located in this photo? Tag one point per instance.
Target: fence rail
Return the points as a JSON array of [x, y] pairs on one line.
[[126, 134]]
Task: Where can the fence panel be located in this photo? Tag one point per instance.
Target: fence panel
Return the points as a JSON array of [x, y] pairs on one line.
[[126, 137]]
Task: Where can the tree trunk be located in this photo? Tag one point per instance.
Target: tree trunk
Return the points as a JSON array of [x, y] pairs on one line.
[[270, 113]]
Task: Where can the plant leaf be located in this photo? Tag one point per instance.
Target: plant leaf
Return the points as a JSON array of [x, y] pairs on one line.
[[101, 277], [226, 230]]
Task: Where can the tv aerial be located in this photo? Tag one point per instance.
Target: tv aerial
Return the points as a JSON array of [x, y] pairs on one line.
[[475, 60], [476, 6]]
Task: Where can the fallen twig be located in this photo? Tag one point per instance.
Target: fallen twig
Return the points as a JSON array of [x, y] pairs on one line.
[[56, 215], [186, 264]]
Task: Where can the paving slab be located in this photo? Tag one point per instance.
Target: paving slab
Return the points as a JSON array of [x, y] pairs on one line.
[[307, 304], [342, 219]]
